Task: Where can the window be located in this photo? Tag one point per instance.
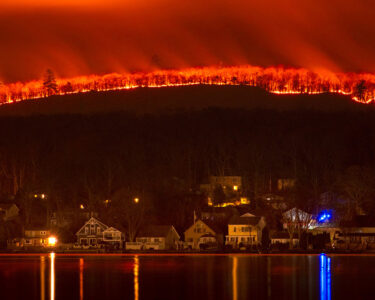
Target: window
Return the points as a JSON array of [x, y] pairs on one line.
[[98, 230], [234, 229], [156, 240], [86, 229], [42, 233]]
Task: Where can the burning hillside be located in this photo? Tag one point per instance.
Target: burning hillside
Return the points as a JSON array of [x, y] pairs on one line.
[[361, 87]]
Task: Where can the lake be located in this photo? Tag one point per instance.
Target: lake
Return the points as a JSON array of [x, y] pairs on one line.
[[164, 277]]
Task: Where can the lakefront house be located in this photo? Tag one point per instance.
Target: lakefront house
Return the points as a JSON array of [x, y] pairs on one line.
[[245, 230]]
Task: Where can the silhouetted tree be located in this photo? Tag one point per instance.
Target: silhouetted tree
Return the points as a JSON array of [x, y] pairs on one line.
[[49, 83], [360, 90]]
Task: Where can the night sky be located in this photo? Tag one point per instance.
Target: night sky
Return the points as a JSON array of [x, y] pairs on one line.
[[84, 37]]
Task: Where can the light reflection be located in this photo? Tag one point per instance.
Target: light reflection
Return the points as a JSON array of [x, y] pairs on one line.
[[325, 277], [136, 277], [81, 264], [42, 278], [52, 274], [234, 277]]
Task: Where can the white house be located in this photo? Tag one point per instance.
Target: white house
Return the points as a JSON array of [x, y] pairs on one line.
[[156, 237]]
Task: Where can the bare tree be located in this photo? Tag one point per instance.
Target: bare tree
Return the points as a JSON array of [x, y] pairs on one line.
[[129, 208]]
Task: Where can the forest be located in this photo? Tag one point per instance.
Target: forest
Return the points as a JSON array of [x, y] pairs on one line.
[[101, 161]]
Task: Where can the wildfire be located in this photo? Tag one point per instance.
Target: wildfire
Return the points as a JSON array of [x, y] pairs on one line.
[[361, 87]]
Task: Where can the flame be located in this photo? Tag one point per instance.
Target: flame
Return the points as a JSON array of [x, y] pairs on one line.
[[277, 80]]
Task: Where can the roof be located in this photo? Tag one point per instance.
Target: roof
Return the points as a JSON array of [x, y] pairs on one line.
[[207, 235], [37, 229], [92, 219], [112, 229], [235, 220], [156, 231], [214, 226]]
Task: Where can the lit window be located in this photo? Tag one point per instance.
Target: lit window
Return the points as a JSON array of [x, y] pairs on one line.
[[235, 188]]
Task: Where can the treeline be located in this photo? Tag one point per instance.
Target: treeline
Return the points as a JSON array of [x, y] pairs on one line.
[[162, 159]]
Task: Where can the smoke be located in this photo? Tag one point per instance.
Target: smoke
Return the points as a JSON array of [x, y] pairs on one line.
[[95, 37]]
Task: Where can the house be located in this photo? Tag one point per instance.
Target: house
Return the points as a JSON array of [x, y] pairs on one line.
[[91, 233], [8, 211], [297, 218], [245, 230], [283, 238], [356, 234], [230, 189], [34, 238], [155, 237], [274, 201], [202, 233], [114, 237]]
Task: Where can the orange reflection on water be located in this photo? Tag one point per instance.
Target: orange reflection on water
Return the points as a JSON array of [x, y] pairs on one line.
[[234, 277], [81, 264], [42, 278], [52, 275], [136, 275]]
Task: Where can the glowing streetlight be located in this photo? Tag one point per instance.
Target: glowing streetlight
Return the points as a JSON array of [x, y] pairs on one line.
[[82, 206], [235, 188], [136, 200]]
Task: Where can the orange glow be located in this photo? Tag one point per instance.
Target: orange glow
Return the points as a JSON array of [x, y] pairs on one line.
[[360, 87], [52, 241], [81, 265], [136, 277], [52, 276], [234, 278]]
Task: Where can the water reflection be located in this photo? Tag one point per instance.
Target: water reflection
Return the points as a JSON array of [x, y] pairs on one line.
[[81, 264], [52, 275], [325, 277], [136, 275], [234, 277], [42, 278]]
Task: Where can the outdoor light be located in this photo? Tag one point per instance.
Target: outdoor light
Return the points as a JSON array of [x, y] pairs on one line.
[[136, 200], [52, 241], [82, 206], [325, 215], [235, 188]]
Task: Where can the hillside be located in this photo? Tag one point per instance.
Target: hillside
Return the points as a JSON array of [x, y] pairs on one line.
[[171, 99]]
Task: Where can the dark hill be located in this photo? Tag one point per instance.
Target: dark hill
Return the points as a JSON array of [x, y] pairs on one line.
[[171, 99]]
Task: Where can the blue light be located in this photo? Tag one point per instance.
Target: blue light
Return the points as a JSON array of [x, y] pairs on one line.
[[324, 216], [325, 277]]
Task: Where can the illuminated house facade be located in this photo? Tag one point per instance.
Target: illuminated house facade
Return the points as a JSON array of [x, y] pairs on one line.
[[34, 238], [91, 234], [155, 237], [245, 230], [201, 234], [113, 237]]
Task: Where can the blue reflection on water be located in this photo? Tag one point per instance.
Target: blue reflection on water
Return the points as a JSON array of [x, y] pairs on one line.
[[325, 277]]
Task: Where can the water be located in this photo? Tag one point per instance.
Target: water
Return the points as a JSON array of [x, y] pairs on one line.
[[187, 277]]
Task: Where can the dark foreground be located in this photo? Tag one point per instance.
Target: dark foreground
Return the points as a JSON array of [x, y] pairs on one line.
[[187, 277]]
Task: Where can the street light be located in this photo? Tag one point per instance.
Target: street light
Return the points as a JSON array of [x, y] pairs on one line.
[[136, 200]]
